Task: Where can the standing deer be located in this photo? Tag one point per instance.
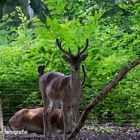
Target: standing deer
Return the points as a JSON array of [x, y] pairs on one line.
[[57, 88]]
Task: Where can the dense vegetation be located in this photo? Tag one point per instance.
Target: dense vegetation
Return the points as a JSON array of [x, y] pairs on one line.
[[113, 31]]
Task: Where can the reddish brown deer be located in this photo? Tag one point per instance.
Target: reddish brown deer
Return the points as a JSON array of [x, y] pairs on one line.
[[57, 88], [31, 120]]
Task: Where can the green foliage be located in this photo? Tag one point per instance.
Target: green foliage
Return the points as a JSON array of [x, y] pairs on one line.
[[6, 31], [113, 42], [17, 72]]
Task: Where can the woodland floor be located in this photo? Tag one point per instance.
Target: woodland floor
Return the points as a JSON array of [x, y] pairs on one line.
[[102, 132]]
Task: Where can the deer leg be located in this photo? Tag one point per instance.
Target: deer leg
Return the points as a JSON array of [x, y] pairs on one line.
[[76, 117], [76, 113], [65, 122], [70, 118], [44, 117], [45, 103], [49, 126], [45, 121]]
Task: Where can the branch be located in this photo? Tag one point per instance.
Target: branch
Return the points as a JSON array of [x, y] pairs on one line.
[[102, 95]]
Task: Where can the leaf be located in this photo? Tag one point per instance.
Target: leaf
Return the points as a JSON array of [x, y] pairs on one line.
[[42, 50]]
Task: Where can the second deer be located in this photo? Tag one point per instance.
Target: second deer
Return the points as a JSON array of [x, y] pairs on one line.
[[31, 120]]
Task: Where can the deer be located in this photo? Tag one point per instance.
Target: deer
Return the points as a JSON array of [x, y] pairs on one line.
[[31, 120], [57, 88]]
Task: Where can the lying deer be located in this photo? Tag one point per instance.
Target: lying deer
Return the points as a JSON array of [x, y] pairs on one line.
[[31, 120], [57, 88]]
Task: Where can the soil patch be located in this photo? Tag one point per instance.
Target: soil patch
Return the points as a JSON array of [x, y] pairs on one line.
[[87, 133]]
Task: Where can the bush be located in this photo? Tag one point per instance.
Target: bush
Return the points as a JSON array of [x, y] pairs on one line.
[[113, 43]]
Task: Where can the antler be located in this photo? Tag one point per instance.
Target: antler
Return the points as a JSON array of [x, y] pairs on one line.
[[84, 49], [84, 74], [58, 43]]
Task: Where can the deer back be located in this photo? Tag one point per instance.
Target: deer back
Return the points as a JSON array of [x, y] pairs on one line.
[[54, 85]]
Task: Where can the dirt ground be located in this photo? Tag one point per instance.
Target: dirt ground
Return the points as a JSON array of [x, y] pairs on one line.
[[103, 132]]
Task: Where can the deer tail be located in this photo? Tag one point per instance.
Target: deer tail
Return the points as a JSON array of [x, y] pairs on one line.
[[41, 70]]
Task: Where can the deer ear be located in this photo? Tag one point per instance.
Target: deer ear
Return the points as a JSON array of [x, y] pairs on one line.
[[58, 43], [83, 57], [67, 59]]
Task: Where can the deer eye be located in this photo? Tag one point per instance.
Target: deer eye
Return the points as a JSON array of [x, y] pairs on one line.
[[83, 57], [67, 59], [69, 107]]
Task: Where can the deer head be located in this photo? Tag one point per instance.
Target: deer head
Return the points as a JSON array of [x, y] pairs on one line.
[[74, 60]]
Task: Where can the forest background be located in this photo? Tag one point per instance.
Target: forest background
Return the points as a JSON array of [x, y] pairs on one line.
[[113, 30]]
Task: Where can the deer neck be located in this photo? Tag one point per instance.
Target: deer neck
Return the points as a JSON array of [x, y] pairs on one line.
[[75, 78]]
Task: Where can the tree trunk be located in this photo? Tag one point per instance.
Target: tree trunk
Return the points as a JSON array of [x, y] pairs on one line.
[[102, 95], [1, 116], [1, 123]]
